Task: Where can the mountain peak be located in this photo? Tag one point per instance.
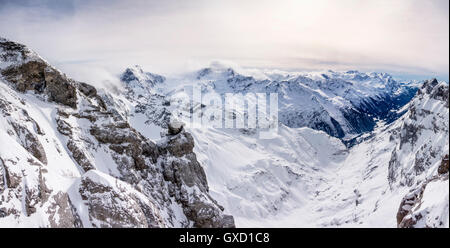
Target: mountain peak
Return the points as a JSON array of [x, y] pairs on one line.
[[136, 73], [13, 53], [428, 85], [27, 71]]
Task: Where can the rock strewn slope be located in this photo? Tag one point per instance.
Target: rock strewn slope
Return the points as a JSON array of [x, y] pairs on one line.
[[75, 161]]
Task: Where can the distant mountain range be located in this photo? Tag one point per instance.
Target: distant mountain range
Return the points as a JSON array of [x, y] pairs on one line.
[[352, 149]]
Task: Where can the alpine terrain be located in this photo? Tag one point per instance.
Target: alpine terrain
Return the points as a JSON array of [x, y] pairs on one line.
[[352, 149]]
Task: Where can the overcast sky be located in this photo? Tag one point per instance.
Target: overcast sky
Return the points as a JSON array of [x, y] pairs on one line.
[[89, 40]]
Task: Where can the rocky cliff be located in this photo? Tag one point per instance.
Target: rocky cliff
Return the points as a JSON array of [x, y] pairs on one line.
[[73, 160]]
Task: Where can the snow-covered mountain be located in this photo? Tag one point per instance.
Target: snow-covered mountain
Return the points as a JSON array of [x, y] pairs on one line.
[[343, 104], [380, 175], [81, 156], [69, 158]]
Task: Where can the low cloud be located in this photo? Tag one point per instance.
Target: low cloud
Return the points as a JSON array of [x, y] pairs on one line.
[[96, 40]]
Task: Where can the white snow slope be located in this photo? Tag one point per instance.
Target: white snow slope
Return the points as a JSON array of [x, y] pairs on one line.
[[303, 177], [394, 177]]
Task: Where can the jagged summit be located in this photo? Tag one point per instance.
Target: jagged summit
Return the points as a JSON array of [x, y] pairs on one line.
[[428, 86], [71, 157], [136, 73], [26, 70], [13, 52], [343, 104]]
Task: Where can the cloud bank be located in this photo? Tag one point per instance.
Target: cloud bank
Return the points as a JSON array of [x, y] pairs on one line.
[[92, 39]]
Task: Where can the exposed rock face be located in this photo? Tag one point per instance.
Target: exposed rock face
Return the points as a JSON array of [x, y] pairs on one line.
[[74, 157], [42, 78], [30, 142], [414, 210], [19, 123], [443, 168], [12, 51], [179, 172], [101, 172], [175, 127], [87, 90], [25, 70], [80, 156], [188, 184], [112, 203], [135, 74], [178, 145], [62, 214], [423, 133], [407, 204]]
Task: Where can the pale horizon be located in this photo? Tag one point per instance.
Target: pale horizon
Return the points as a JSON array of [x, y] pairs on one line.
[[96, 40]]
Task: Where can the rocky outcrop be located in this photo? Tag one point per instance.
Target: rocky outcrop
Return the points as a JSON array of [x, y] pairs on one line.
[[182, 172], [26, 71], [407, 204], [175, 127], [135, 74], [30, 142], [80, 155], [443, 168], [423, 134], [112, 203], [177, 170], [24, 128], [436, 90], [25, 189], [126, 142], [41, 78], [87, 90], [188, 183], [414, 210], [62, 213], [118, 177]]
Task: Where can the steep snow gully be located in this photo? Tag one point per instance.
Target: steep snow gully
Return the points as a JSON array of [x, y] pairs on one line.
[[352, 149]]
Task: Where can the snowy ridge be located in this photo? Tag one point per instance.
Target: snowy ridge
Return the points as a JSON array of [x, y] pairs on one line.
[[15, 53], [82, 157], [289, 180], [306, 178], [343, 104], [73, 160]]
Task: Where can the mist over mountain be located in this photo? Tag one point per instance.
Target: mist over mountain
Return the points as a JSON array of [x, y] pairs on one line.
[[352, 149]]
